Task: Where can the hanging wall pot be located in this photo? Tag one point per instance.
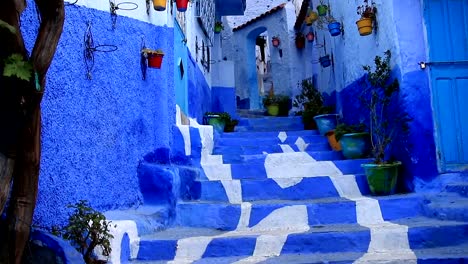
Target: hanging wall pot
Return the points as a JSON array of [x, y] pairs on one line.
[[364, 26], [310, 36], [322, 10], [334, 28], [159, 5], [182, 5], [300, 41], [154, 57], [312, 16], [325, 61], [275, 41]]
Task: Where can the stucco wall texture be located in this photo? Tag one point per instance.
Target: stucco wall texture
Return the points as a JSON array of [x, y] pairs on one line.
[[96, 131]]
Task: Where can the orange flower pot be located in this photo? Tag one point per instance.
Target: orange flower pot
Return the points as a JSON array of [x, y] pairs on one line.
[[159, 5], [364, 26]]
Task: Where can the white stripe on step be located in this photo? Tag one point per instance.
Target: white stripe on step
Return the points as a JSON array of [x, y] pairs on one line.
[[286, 148]]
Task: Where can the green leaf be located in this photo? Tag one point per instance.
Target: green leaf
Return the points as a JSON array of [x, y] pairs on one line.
[[15, 66], [4, 24]]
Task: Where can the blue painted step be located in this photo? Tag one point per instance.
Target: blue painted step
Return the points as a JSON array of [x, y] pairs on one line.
[[260, 158], [270, 124], [263, 134], [447, 206], [425, 237], [332, 210], [265, 141], [262, 149]]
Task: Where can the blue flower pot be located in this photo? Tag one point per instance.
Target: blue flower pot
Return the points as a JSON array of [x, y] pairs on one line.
[[326, 122], [334, 28], [325, 61], [355, 145]]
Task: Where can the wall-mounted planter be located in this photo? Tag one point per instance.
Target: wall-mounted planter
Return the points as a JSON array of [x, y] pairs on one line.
[[310, 36], [300, 41], [322, 10], [155, 60], [182, 5], [218, 28], [325, 61], [326, 122], [364, 26], [275, 41], [311, 18], [334, 28], [159, 5]]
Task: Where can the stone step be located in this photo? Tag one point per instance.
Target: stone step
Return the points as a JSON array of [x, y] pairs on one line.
[[286, 165], [269, 189], [267, 149], [270, 124], [268, 134], [187, 245], [332, 210], [460, 188], [267, 141], [327, 155], [447, 206]]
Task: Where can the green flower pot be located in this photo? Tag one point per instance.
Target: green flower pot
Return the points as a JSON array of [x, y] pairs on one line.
[[273, 110], [215, 121], [382, 178], [322, 10]]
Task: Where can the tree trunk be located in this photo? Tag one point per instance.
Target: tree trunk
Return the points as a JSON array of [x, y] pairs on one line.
[[6, 171], [25, 97]]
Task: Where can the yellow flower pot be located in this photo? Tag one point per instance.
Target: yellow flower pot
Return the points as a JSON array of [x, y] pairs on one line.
[[311, 18], [364, 26], [159, 5]]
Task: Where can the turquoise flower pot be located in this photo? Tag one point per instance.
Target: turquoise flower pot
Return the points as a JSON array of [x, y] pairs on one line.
[[355, 145], [326, 122]]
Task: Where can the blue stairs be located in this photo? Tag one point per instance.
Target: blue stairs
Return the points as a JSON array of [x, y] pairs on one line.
[[279, 194]]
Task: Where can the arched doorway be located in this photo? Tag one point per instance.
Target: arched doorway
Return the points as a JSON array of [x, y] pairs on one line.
[[257, 65]]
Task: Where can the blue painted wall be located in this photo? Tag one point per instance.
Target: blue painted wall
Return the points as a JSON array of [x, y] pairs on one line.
[[224, 100], [96, 131], [180, 78], [199, 93]]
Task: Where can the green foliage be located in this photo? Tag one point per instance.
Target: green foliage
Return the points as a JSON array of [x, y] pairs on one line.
[[87, 229], [15, 66], [310, 101], [275, 100], [224, 116], [380, 96], [7, 26], [342, 129]]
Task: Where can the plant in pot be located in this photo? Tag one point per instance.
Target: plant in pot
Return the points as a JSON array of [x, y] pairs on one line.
[[386, 121], [353, 140], [300, 40], [308, 102], [230, 124], [284, 105], [322, 8], [217, 119], [154, 57], [218, 27], [271, 102], [311, 17], [368, 20]]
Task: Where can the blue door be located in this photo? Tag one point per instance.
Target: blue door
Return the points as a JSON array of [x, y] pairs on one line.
[[447, 32], [180, 71]]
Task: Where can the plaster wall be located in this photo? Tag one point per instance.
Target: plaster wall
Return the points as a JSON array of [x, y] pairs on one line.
[[400, 30], [96, 131]]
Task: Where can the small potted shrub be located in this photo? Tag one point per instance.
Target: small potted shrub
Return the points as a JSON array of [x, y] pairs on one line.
[[154, 57], [284, 105], [218, 27], [353, 139], [217, 119], [307, 101], [368, 20], [380, 97], [300, 40], [271, 102], [231, 125]]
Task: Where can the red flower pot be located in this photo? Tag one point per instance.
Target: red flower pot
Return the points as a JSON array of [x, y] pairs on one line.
[[275, 42], [155, 60], [182, 5]]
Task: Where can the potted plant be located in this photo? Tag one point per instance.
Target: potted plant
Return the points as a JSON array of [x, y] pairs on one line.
[[353, 139], [310, 36], [326, 121], [217, 119], [308, 102], [154, 57], [322, 8], [284, 105], [218, 27], [231, 125], [182, 5], [368, 12], [380, 97], [300, 40], [159, 5], [311, 17], [275, 41], [271, 102]]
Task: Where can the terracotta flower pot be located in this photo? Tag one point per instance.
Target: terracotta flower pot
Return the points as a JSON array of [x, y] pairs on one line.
[[364, 26], [334, 144], [275, 42], [155, 60]]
